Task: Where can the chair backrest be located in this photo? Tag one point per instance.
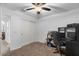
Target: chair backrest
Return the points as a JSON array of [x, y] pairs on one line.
[[56, 41]]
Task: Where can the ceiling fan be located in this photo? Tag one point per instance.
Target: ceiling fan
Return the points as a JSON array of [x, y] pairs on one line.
[[38, 7]]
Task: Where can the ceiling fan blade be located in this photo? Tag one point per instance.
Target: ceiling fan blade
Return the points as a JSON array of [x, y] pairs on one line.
[[43, 3], [29, 8], [38, 4], [34, 3], [45, 8], [57, 8]]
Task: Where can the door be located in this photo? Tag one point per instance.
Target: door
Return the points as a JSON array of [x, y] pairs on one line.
[[5, 27]]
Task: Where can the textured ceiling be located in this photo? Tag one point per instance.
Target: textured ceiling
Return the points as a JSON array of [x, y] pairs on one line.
[[55, 8]]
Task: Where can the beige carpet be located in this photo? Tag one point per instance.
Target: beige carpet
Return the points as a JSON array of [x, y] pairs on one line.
[[35, 49]]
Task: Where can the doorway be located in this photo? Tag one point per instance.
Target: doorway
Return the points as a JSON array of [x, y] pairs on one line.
[[5, 28]]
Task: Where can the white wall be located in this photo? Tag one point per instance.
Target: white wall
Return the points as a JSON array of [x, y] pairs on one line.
[[51, 23], [22, 32], [22, 28]]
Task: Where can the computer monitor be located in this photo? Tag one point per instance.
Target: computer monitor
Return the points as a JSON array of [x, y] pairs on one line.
[[71, 33], [61, 31]]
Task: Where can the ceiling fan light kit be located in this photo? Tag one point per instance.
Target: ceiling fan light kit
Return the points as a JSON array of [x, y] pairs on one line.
[[37, 8]]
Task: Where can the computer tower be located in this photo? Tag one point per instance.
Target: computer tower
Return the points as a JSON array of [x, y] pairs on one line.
[[72, 39]]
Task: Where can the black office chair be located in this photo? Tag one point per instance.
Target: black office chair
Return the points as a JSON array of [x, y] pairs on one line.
[[60, 43], [50, 39], [57, 40]]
